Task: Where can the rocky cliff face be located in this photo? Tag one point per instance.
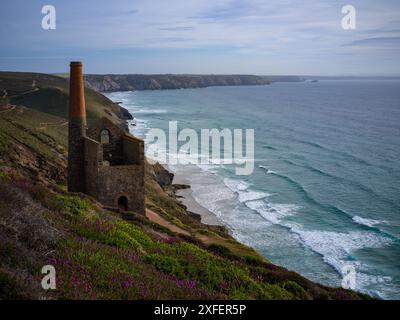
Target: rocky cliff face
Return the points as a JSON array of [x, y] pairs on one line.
[[109, 83]]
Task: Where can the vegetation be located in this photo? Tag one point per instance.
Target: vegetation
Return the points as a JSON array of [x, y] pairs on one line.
[[49, 94], [100, 254], [74, 204]]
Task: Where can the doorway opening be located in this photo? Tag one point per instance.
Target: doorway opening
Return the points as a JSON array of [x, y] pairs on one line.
[[123, 203]]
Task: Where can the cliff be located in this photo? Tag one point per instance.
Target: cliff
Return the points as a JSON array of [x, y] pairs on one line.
[[100, 254], [129, 82]]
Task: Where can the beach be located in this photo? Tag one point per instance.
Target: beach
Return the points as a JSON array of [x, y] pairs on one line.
[[185, 196]]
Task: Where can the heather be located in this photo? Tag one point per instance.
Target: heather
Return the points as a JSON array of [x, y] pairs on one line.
[[99, 255]]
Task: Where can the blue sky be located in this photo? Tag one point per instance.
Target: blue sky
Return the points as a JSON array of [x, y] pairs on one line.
[[302, 37]]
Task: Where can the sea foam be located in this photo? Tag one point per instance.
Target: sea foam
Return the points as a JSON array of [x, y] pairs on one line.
[[367, 222], [272, 213], [241, 188], [335, 247], [150, 111]]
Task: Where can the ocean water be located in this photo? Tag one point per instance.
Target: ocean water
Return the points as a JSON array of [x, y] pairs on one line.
[[325, 191]]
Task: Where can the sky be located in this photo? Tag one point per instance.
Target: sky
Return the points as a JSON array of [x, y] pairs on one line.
[[264, 37]]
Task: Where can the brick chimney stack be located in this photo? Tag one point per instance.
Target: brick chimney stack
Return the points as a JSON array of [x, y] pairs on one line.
[[77, 129]]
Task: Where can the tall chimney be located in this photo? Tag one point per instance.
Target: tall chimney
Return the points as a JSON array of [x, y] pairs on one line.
[[77, 129]]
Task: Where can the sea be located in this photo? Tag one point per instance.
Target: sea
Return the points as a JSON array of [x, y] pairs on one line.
[[324, 196]]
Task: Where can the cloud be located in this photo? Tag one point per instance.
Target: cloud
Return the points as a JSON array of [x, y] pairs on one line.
[[228, 10], [378, 42], [176, 39], [176, 28], [237, 35], [133, 11], [382, 30]]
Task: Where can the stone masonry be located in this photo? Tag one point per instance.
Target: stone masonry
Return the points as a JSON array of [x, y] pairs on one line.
[[104, 161]]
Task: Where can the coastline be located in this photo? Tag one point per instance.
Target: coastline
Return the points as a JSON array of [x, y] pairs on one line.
[[201, 194], [185, 196]]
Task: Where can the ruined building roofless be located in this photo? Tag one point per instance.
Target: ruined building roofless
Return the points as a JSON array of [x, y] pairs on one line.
[[104, 161]]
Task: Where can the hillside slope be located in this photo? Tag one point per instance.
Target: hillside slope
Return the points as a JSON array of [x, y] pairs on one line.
[[99, 254], [49, 94]]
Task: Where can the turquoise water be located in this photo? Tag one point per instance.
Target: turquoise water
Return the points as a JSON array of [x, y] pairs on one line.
[[325, 191]]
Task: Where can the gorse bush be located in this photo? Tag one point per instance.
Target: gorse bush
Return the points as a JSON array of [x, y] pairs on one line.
[[115, 233], [166, 264], [74, 204], [134, 231]]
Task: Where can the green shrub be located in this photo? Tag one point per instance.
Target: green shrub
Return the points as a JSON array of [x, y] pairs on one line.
[[254, 261], [121, 239], [116, 233], [101, 262], [219, 249], [275, 292], [295, 289], [134, 232], [166, 264], [74, 204]]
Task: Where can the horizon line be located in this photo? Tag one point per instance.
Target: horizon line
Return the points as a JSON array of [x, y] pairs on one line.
[[225, 74]]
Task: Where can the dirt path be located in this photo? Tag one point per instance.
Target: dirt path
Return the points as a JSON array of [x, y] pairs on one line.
[[44, 125], [163, 222], [8, 109]]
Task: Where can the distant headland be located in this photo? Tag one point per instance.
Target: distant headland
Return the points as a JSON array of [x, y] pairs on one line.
[[129, 82]]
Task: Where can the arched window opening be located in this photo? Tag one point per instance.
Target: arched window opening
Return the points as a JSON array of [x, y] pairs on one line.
[[123, 203], [104, 136]]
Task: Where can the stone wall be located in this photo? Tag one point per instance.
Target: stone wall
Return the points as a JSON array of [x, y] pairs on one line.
[[93, 160], [117, 181], [133, 150], [112, 151], [124, 174]]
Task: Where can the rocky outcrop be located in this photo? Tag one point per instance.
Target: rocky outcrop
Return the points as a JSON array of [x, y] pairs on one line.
[[125, 114], [161, 175]]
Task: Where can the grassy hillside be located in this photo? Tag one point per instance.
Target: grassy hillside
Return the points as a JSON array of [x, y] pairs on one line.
[[48, 93], [33, 143], [99, 254]]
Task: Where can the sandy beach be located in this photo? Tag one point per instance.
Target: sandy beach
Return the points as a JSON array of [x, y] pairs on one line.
[[187, 199]]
